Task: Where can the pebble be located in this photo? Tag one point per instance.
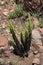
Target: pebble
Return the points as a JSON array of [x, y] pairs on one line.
[[36, 37], [3, 25], [11, 48], [2, 2], [7, 31], [1, 60], [35, 22], [36, 61], [35, 52], [5, 12]]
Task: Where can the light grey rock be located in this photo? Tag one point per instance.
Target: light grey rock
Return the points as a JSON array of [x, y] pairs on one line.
[[36, 61], [35, 52], [1, 60], [11, 48], [36, 37]]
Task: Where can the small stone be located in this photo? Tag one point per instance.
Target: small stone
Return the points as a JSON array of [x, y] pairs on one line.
[[35, 52], [7, 31], [3, 25], [14, 6], [2, 48], [36, 61], [11, 48], [40, 48], [23, 18], [36, 37], [2, 2], [1, 60], [35, 22], [41, 30], [5, 12]]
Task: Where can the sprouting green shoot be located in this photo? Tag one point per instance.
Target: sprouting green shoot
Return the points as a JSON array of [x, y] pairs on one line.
[[41, 23], [10, 26]]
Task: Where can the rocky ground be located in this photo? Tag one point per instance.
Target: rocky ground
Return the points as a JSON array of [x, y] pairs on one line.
[[36, 49]]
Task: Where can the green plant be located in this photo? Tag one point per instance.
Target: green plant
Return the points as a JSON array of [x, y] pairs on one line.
[[17, 46], [14, 1], [17, 12], [12, 15], [1, 63], [26, 35], [10, 26], [1, 51], [41, 23], [36, 15], [23, 47]]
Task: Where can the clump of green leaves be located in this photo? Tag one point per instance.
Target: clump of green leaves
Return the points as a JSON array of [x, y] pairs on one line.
[[26, 35], [17, 12], [14, 1], [12, 29], [1, 63], [20, 9], [36, 15], [10, 26], [41, 23], [1, 51]]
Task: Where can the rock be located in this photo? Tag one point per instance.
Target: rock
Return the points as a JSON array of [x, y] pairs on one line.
[[41, 30], [36, 61], [3, 25], [1, 60], [40, 48], [35, 52], [35, 46], [23, 18], [2, 48], [35, 22], [36, 37], [14, 6], [25, 13], [7, 31], [11, 48], [5, 12]]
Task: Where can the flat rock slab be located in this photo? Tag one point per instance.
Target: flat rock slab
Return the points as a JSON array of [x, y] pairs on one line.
[[36, 36]]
